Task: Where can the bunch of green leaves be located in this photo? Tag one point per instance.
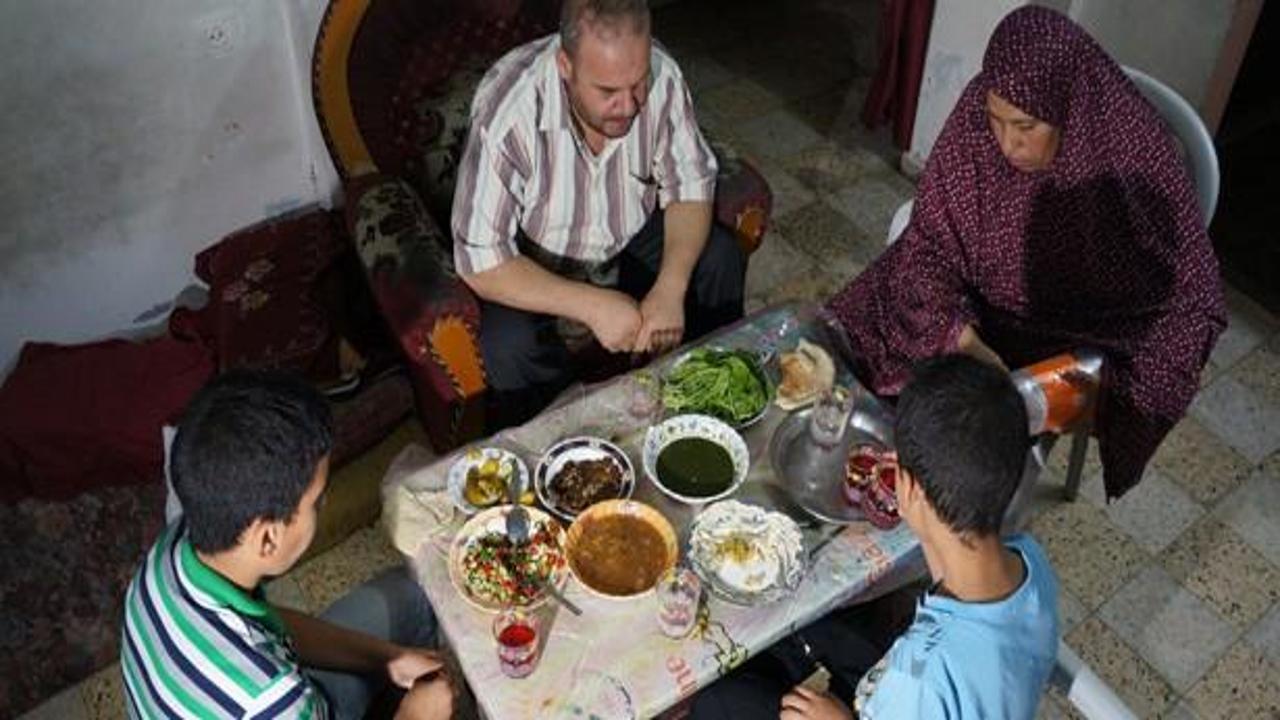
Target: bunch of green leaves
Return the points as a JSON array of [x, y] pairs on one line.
[[722, 383]]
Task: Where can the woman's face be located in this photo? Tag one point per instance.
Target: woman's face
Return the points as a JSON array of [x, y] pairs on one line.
[[1028, 143]]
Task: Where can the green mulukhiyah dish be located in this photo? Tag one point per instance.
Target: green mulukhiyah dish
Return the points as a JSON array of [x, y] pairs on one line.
[[695, 467]]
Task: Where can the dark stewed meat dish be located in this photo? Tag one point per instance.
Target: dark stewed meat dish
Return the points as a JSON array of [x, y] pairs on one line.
[[583, 483]]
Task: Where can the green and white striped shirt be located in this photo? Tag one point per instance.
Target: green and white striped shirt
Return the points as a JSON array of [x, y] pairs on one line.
[[197, 646]]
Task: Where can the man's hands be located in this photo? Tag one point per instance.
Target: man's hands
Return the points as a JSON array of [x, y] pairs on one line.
[[662, 312], [654, 325], [614, 318], [805, 704]]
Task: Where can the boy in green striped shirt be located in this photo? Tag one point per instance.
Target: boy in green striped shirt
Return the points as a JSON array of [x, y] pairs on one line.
[[249, 464]]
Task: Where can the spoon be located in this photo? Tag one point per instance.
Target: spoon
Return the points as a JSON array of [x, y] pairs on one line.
[[518, 533]]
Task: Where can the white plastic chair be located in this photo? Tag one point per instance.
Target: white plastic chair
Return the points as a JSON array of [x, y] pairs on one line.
[[899, 222], [1085, 690], [1192, 136]]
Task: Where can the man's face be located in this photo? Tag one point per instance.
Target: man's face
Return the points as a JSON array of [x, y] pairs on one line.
[[297, 533], [607, 77], [1028, 143]]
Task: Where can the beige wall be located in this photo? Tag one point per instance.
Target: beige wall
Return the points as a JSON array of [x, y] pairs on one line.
[[135, 133], [1175, 41]]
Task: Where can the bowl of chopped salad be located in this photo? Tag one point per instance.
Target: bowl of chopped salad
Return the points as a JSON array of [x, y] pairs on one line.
[[491, 572], [727, 384]]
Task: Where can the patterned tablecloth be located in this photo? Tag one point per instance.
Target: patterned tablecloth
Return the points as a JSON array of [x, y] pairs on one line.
[[613, 661]]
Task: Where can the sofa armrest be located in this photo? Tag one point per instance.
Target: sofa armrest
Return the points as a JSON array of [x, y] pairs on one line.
[[432, 314], [743, 201]]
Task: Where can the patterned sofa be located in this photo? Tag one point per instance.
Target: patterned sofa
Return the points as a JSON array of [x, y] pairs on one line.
[[392, 87]]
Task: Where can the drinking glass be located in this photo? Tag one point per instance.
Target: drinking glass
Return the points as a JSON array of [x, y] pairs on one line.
[[644, 396], [516, 632], [830, 416], [678, 590]]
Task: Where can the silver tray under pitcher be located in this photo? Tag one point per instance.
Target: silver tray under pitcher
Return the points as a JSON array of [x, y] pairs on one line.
[[812, 476]]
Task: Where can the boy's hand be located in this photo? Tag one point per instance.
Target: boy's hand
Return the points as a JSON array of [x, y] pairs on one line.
[[411, 664], [805, 704], [427, 700]]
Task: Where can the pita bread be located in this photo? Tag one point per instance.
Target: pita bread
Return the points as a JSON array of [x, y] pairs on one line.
[[806, 372]]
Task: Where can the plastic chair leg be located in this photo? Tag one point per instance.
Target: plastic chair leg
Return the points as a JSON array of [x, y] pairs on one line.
[[1075, 464]]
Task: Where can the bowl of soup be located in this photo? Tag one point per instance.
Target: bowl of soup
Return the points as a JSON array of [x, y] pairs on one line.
[[619, 548], [695, 459]]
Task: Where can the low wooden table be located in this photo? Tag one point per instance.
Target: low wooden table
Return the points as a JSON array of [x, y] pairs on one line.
[[615, 648]]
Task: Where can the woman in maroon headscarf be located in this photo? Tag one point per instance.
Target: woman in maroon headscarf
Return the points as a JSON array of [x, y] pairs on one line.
[[1054, 213]]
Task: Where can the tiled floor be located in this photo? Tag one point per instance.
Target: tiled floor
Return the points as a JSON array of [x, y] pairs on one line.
[[1172, 594]]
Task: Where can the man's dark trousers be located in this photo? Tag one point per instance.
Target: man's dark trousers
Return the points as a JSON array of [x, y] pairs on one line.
[[526, 361]]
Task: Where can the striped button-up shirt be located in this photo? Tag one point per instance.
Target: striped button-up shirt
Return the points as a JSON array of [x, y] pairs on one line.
[[527, 169], [197, 646]]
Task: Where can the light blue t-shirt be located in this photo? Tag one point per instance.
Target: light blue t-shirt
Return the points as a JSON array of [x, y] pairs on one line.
[[971, 660]]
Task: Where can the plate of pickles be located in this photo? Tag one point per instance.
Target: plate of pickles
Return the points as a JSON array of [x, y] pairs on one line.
[[480, 478]]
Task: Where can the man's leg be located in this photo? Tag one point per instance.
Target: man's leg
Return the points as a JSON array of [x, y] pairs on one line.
[[719, 283], [391, 606], [526, 362], [716, 288]]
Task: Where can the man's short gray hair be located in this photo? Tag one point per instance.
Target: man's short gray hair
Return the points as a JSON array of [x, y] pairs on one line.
[[612, 13]]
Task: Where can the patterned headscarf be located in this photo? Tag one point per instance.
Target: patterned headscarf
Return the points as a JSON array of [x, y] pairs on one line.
[[1106, 248]]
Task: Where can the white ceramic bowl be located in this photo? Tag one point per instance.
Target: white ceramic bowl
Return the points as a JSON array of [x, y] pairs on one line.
[[700, 426]]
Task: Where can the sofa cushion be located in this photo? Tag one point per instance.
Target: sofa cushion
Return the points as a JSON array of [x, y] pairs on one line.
[[267, 304], [79, 417], [448, 114]]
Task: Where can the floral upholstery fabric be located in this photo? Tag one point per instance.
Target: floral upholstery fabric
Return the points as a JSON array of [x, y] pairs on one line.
[[451, 113], [743, 199], [432, 314], [266, 306], [411, 59]]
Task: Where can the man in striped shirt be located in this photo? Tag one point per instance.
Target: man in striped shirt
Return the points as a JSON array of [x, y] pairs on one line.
[[583, 204], [250, 463]]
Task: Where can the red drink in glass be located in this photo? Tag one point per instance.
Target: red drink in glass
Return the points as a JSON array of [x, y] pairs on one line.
[[517, 634]]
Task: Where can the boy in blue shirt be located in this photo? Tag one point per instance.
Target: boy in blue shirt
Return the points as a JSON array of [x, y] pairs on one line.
[[985, 635]]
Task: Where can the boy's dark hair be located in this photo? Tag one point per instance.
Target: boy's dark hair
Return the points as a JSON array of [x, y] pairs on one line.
[[611, 12], [247, 447], [961, 430]]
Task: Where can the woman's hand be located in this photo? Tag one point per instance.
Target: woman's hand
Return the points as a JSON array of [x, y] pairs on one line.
[[970, 344], [805, 704]]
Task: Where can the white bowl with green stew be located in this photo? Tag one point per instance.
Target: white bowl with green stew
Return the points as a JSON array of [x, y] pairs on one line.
[[695, 459]]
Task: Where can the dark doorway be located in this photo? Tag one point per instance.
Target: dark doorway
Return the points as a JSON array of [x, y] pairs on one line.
[[1246, 228]]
